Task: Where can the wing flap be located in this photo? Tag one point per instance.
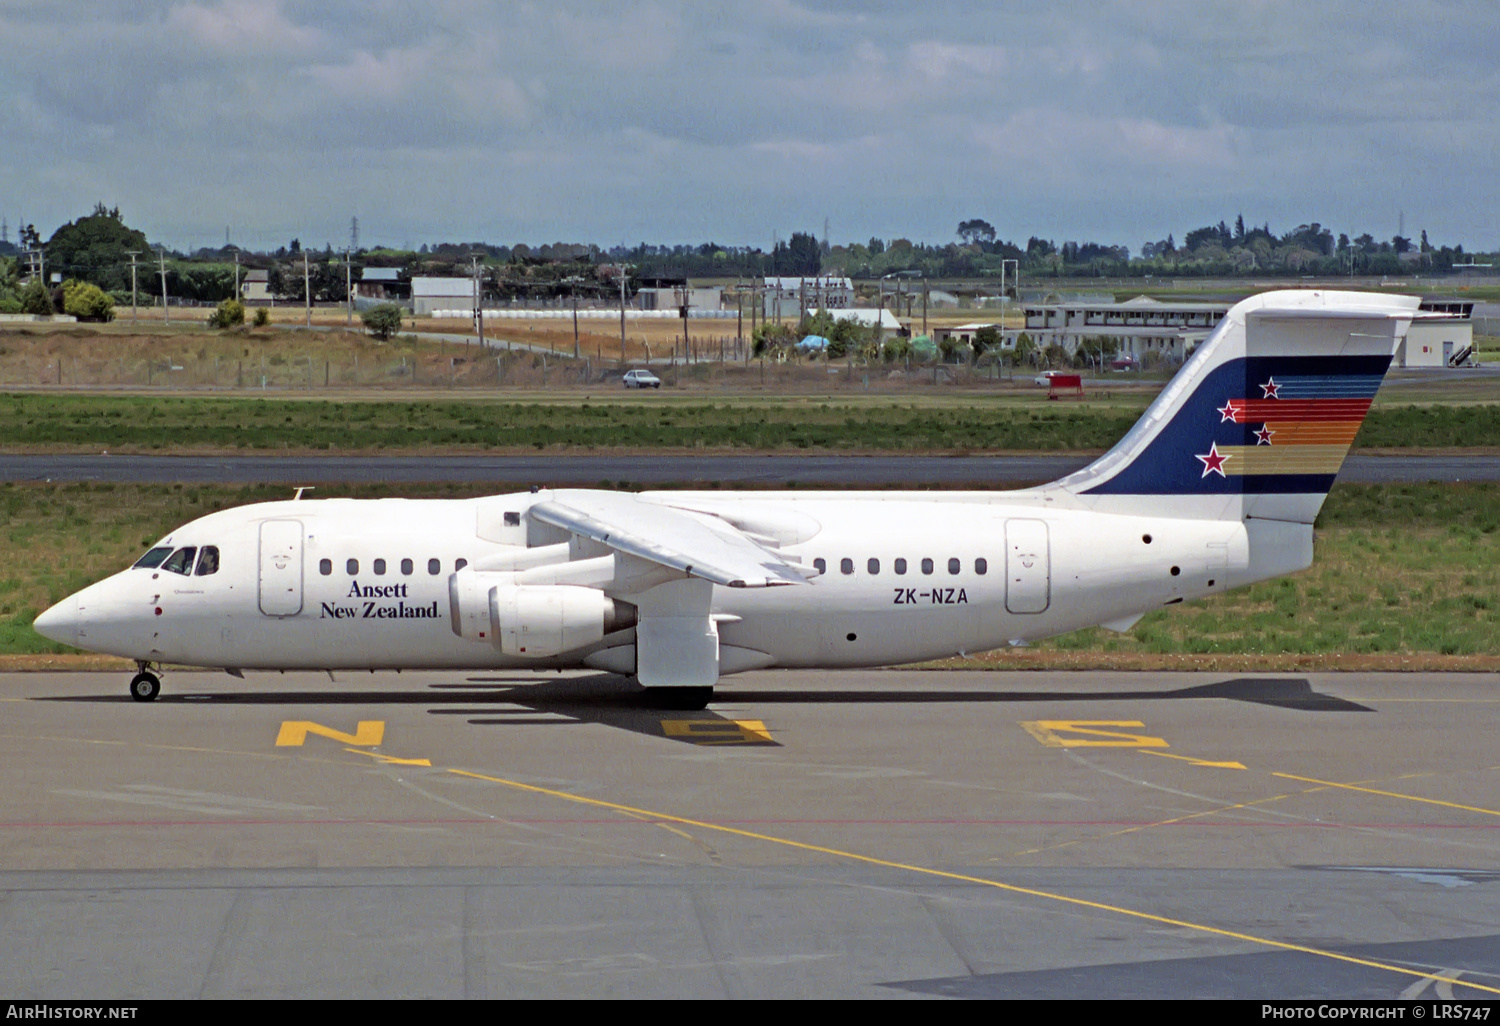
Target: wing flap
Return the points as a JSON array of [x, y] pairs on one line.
[[670, 537]]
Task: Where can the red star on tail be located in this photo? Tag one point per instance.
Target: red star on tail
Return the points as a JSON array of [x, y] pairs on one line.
[[1269, 388], [1213, 462]]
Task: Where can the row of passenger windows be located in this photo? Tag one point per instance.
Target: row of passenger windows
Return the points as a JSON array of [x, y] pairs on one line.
[[183, 560], [351, 566], [872, 566]]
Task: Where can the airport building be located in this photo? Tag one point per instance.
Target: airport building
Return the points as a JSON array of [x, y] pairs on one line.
[[666, 294], [383, 284], [256, 286], [447, 294], [1139, 326], [790, 297], [1446, 340]]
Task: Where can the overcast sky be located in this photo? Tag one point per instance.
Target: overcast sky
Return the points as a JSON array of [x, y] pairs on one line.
[[667, 122]]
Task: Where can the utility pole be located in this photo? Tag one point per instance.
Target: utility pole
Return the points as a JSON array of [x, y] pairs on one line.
[[307, 287], [133, 254], [478, 298], [349, 287], [236, 274], [166, 311], [575, 320], [622, 315]]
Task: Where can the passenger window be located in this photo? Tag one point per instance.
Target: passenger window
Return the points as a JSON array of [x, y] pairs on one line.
[[820, 565], [181, 561], [434, 566], [954, 566], [846, 566], [379, 567], [873, 566], [459, 564], [981, 566], [352, 567], [325, 567], [152, 559], [406, 567], [900, 566], [208, 561], [927, 566]]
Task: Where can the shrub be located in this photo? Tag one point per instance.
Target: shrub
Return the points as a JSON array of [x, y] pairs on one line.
[[37, 300], [262, 317], [383, 321], [87, 302], [10, 306], [228, 314]]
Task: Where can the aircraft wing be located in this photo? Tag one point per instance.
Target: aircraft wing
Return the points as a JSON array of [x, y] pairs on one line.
[[671, 537]]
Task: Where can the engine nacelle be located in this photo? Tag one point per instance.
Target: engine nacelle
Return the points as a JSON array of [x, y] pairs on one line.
[[539, 621], [531, 621]]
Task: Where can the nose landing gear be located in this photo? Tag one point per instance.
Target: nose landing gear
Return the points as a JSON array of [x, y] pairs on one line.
[[145, 686]]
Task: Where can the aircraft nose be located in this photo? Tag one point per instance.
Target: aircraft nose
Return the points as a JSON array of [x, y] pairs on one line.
[[60, 623]]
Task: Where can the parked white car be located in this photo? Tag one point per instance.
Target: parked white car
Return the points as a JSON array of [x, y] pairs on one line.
[[641, 379]]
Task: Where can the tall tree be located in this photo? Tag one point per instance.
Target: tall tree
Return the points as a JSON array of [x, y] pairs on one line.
[[96, 249]]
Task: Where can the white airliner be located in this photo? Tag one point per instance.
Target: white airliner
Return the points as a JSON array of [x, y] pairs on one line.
[[1215, 487]]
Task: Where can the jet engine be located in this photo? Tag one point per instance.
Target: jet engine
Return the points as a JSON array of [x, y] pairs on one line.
[[532, 621]]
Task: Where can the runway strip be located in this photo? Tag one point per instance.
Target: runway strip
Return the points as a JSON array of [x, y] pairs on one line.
[[652, 469]]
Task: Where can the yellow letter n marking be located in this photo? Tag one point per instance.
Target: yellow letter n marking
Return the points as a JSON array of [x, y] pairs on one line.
[[293, 732], [1052, 733]]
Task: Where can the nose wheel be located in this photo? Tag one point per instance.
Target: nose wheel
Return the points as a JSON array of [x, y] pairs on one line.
[[144, 687]]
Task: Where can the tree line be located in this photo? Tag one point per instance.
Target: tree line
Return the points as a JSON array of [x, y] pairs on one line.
[[96, 248]]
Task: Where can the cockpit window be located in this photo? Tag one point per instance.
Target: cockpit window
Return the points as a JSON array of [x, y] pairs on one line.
[[153, 558], [181, 561], [208, 561]]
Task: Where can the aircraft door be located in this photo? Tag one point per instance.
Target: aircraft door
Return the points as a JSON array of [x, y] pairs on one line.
[[281, 567], [1028, 566]]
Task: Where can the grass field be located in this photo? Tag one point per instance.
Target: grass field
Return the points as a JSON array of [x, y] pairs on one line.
[[1020, 421], [1405, 576]]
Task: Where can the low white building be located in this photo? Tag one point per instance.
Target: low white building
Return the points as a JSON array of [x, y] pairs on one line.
[[870, 316], [1438, 341], [448, 294], [791, 297], [256, 286], [1140, 326], [706, 297]]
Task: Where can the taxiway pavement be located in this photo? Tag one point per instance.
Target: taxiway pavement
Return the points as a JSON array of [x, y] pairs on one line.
[[860, 834], [653, 469]]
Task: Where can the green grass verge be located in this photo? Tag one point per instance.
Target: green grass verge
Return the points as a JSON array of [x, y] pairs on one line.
[[979, 422], [1398, 569]]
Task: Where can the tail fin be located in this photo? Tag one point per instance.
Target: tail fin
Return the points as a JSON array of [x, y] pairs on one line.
[[1258, 421]]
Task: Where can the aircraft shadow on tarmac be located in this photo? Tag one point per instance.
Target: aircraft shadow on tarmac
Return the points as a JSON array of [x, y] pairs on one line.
[[621, 703]]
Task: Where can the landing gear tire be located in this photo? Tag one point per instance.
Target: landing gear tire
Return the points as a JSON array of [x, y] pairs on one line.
[[144, 687], [682, 699]]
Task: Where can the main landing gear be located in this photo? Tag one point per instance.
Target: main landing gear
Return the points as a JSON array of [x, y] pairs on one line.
[[681, 699], [145, 686]]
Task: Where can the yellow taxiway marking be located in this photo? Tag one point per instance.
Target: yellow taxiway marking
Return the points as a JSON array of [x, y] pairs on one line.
[[718, 732], [1046, 732], [1390, 794], [390, 760], [1196, 761], [1165, 822], [368, 734], [964, 878]]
